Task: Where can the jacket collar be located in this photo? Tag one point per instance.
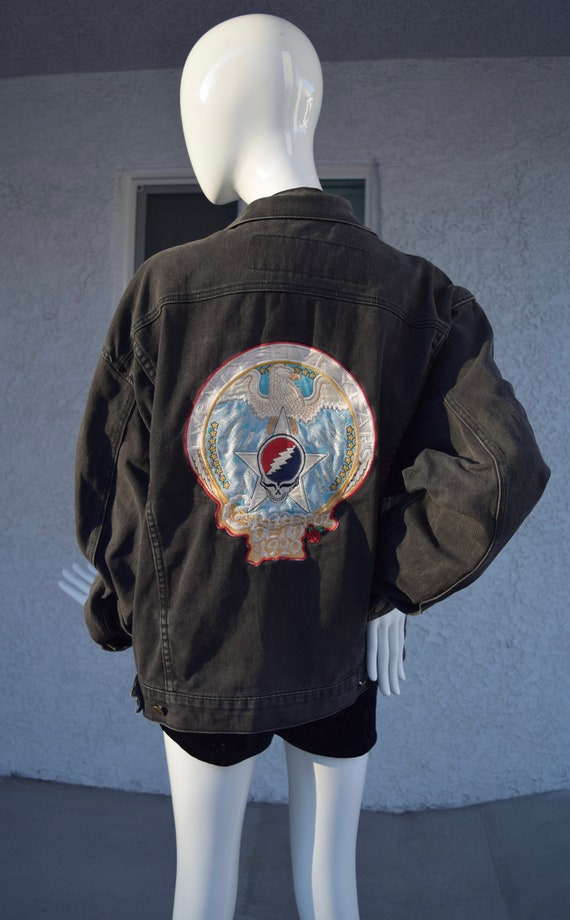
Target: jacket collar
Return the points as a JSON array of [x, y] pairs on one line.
[[299, 203]]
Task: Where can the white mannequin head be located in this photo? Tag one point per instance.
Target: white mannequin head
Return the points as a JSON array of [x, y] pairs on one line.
[[250, 99]]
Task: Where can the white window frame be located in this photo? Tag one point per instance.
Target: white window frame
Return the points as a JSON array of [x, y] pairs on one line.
[[130, 180]]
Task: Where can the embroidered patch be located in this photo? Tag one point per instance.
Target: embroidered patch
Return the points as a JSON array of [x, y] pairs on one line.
[[277, 437]]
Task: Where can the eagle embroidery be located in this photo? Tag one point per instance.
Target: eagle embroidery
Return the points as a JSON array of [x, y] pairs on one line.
[[285, 395]]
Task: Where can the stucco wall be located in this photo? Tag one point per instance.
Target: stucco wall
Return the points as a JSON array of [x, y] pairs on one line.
[[473, 162]]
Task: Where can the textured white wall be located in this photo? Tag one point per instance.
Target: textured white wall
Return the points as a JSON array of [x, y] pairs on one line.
[[473, 162]]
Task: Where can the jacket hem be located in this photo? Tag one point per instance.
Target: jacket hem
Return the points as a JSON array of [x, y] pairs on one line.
[[195, 713]]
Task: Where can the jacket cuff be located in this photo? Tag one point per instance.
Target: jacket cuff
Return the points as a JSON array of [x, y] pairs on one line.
[[379, 607], [102, 618]]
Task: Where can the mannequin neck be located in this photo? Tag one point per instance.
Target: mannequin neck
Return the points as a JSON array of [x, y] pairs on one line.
[[271, 171]]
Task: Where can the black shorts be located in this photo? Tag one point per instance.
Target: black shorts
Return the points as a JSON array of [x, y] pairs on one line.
[[348, 733]]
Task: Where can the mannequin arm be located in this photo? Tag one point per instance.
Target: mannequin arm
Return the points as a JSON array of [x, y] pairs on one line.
[[385, 651], [77, 584]]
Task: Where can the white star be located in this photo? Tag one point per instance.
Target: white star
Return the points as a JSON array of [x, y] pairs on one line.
[[297, 494]]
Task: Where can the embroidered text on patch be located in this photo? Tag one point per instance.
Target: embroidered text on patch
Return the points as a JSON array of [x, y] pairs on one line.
[[278, 436]]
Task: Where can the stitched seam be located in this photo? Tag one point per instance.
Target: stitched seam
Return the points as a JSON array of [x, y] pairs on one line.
[[160, 571], [110, 473], [461, 416], [213, 294], [259, 698], [306, 217]]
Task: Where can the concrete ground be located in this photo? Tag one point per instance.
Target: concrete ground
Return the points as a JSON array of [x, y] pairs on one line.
[[76, 853]]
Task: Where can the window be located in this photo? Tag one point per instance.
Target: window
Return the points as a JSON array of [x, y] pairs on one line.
[[166, 208], [354, 190], [169, 215]]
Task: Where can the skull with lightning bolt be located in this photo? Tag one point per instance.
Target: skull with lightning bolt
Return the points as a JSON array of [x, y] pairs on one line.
[[281, 460]]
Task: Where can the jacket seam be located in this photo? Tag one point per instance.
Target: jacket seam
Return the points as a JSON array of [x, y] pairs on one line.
[[160, 572], [149, 367], [461, 415], [241, 221], [465, 297], [260, 287], [110, 473], [258, 698]]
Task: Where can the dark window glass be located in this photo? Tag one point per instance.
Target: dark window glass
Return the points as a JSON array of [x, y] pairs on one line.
[[171, 215], [351, 189]]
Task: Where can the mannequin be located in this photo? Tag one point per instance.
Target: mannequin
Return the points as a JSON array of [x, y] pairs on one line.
[[250, 97], [251, 94], [226, 655]]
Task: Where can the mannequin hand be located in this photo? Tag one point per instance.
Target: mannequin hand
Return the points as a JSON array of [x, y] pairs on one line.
[[77, 584], [385, 651]]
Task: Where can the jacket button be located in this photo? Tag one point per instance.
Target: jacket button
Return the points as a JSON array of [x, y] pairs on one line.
[[160, 710]]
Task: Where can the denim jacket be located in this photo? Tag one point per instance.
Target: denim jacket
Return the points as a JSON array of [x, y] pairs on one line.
[[292, 428]]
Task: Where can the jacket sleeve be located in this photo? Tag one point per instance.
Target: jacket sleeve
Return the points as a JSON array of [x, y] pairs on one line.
[[111, 485], [469, 472]]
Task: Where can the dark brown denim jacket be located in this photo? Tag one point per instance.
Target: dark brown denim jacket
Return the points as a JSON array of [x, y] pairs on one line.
[[292, 428]]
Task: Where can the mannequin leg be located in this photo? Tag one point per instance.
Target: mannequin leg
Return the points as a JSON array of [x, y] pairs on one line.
[[325, 795], [209, 805]]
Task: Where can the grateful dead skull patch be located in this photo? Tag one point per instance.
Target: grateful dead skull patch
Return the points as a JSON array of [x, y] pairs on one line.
[[277, 437]]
